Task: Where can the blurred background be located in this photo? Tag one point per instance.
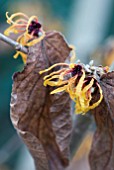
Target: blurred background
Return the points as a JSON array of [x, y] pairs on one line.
[[87, 24]]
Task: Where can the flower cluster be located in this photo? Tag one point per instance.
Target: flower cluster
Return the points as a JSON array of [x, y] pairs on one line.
[[29, 29], [78, 82]]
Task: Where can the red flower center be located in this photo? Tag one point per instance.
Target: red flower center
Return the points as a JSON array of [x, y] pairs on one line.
[[34, 28]]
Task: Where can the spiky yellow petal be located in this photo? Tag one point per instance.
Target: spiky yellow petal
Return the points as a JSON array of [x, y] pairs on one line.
[[60, 89], [74, 82], [10, 19], [37, 40], [51, 67], [80, 84]]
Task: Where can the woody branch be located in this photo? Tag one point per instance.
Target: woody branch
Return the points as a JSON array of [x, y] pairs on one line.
[[13, 43]]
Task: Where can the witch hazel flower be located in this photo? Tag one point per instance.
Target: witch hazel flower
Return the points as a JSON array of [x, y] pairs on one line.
[[29, 30], [79, 80]]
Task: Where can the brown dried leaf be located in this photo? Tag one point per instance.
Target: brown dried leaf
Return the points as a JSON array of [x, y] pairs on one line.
[[102, 151], [43, 120]]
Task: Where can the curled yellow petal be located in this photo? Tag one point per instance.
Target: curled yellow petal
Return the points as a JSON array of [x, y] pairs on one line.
[[37, 40], [54, 73], [80, 84], [47, 81], [11, 29], [24, 56], [55, 65], [87, 87], [83, 104], [10, 19], [71, 89], [16, 55], [60, 89], [100, 99]]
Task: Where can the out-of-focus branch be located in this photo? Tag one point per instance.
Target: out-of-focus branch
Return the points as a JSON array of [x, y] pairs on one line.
[[112, 67], [81, 126], [13, 43], [8, 149]]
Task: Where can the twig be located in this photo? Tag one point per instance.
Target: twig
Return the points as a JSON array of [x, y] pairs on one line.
[[13, 43]]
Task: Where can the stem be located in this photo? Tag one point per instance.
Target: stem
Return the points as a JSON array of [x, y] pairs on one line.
[[13, 43]]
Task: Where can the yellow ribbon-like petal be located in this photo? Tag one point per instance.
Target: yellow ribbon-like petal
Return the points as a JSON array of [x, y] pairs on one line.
[[55, 65], [10, 19], [74, 86], [80, 84], [60, 89], [20, 26]]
